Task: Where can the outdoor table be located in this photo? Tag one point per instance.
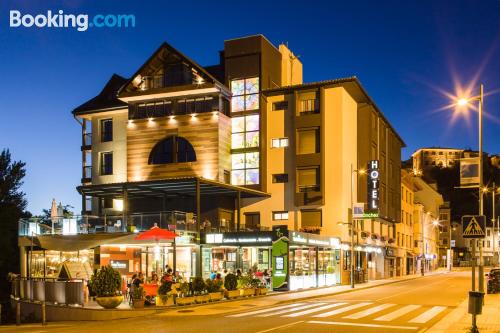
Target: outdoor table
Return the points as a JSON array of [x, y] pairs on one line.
[[150, 289]]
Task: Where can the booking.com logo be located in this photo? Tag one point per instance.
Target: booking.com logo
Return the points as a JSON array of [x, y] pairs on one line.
[[61, 20]]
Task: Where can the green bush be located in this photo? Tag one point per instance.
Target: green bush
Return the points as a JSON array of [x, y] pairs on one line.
[[199, 286], [138, 293], [184, 289], [213, 286], [106, 282], [245, 281], [230, 282], [165, 288]]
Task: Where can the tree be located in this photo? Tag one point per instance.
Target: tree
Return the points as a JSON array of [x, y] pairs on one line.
[[12, 206]]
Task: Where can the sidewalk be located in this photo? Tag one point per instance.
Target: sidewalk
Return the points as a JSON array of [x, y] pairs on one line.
[[459, 320]]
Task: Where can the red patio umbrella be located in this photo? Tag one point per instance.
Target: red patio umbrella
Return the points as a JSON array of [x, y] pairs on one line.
[[156, 234]]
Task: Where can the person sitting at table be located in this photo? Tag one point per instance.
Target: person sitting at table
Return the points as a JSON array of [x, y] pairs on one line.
[[168, 277], [154, 278], [218, 277], [140, 277]]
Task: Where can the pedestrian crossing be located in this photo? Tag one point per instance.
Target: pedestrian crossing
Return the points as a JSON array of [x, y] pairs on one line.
[[351, 311]]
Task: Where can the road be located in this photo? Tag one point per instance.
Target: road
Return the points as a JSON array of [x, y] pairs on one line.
[[407, 306]]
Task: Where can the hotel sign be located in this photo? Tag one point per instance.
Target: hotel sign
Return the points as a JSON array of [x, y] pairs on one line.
[[373, 186]]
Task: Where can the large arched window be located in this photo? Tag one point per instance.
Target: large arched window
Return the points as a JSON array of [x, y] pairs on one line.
[[172, 149]]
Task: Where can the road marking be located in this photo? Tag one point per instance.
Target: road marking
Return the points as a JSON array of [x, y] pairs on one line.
[[398, 313], [280, 327], [290, 310], [264, 310], [366, 313], [347, 308], [411, 328], [413, 289], [428, 315], [305, 312]]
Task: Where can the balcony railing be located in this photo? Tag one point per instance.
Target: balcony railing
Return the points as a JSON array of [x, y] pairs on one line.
[[87, 140], [308, 188], [87, 174]]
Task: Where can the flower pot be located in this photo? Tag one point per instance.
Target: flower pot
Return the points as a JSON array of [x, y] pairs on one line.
[[202, 298], [216, 296], [185, 300], [232, 293], [138, 303], [261, 291], [109, 302], [247, 292], [164, 300]]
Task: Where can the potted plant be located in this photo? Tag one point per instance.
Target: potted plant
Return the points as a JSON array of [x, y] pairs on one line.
[[138, 297], [214, 288], [256, 285], [246, 286], [106, 284], [231, 284], [200, 290], [165, 296], [185, 294]]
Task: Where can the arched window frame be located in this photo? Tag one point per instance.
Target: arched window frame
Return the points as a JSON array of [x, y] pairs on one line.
[[181, 151]]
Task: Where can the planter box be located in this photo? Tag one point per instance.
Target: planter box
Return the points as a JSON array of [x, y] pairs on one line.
[[164, 300], [247, 292], [109, 302], [138, 303], [217, 296], [185, 300], [260, 291], [232, 293], [202, 298]]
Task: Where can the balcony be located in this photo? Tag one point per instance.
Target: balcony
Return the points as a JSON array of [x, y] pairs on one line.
[[86, 141], [87, 174]]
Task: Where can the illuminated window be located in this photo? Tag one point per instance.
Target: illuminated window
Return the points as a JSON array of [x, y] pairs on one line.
[[279, 216], [308, 141], [245, 168], [308, 179], [173, 149], [245, 94], [279, 143], [245, 132]]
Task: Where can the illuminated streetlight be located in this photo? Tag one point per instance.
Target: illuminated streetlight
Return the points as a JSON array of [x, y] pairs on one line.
[[463, 102]]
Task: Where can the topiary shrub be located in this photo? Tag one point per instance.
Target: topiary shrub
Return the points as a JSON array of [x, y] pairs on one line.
[[230, 282], [199, 286], [213, 286], [106, 282]]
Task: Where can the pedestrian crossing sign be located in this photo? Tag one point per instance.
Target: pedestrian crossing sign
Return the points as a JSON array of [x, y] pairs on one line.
[[473, 226]]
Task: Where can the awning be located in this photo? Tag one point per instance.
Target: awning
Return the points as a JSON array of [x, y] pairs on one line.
[[170, 186]]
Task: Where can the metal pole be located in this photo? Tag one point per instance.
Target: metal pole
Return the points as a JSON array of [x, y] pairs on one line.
[[481, 258], [44, 314], [18, 313], [473, 264], [493, 218], [352, 231], [422, 262]]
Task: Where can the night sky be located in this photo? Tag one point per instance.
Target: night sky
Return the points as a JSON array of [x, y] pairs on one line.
[[406, 54]]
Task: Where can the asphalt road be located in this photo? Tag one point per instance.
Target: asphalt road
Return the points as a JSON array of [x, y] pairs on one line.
[[409, 306]]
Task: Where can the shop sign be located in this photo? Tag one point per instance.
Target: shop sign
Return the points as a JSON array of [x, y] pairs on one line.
[[310, 239], [373, 185], [231, 239], [119, 264], [452, 243], [360, 213], [335, 243], [280, 262]]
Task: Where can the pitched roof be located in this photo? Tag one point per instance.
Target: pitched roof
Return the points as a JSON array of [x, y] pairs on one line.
[[106, 99]]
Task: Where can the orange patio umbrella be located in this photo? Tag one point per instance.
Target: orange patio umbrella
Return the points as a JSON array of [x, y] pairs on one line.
[[157, 234]]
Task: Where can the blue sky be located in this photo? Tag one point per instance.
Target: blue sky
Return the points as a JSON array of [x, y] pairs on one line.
[[404, 52]]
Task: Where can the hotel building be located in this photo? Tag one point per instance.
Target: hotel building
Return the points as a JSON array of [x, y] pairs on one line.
[[224, 154]]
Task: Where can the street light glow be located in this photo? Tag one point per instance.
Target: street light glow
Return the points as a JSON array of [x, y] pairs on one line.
[[463, 102]]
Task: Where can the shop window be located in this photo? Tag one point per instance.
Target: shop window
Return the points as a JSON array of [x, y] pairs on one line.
[[310, 218], [106, 163], [173, 149], [245, 168], [245, 94], [280, 216], [308, 141], [106, 130], [252, 221], [245, 132], [280, 178], [280, 106], [308, 180], [279, 143]]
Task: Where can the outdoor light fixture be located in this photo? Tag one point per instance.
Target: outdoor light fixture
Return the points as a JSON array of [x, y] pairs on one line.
[[462, 102]]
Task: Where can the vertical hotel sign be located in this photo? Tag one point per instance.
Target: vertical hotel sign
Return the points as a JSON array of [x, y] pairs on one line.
[[280, 258], [373, 185]]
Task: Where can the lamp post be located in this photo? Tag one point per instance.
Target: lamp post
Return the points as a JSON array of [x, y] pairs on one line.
[[353, 222], [465, 102]]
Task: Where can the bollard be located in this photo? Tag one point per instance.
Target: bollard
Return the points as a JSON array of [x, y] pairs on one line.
[[44, 318], [18, 313]]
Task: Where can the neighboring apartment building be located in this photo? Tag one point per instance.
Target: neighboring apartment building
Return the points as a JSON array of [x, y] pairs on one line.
[[445, 234], [405, 229], [243, 145]]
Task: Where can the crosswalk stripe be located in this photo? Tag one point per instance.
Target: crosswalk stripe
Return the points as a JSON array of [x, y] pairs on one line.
[[398, 313], [321, 308], [428, 315], [264, 310], [370, 311], [290, 310], [342, 310]]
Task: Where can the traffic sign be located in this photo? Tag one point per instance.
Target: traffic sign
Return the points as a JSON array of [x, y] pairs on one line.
[[473, 226]]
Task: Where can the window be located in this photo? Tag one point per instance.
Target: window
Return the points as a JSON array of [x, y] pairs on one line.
[[245, 168], [245, 132], [252, 220], [488, 232], [488, 244], [106, 130], [280, 106], [107, 203], [245, 94], [445, 241], [308, 179], [173, 149], [107, 163], [308, 106], [310, 218], [280, 178], [279, 216], [279, 143], [308, 141]]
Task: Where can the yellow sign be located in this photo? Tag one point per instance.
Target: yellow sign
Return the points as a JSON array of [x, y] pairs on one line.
[[473, 228]]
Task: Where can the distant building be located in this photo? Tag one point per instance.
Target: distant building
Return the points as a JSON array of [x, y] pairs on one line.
[[426, 158]]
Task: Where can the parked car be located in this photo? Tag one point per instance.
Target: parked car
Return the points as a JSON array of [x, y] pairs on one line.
[[493, 285]]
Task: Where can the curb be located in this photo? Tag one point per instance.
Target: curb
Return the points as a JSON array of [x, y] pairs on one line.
[[450, 319]]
